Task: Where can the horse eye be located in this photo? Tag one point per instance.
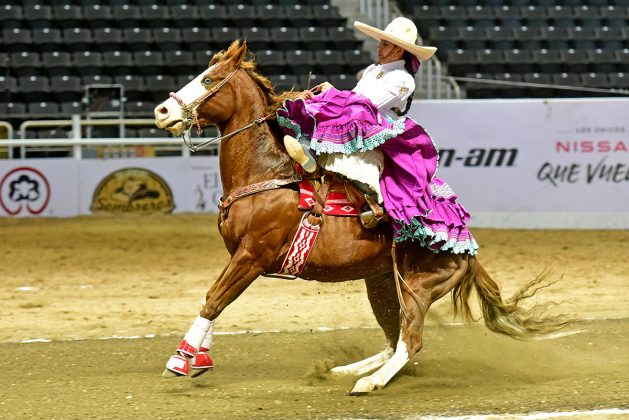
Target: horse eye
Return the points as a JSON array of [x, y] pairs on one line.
[[207, 80]]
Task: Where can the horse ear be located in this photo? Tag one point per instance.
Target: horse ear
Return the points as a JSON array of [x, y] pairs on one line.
[[240, 53]]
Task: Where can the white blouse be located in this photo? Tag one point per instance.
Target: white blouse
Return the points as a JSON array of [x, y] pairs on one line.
[[387, 86]]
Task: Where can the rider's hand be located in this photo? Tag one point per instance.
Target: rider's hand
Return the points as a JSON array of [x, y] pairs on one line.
[[323, 87], [306, 94]]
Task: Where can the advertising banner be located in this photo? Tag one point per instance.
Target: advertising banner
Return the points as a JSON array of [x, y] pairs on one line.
[[560, 163], [534, 163], [38, 188]]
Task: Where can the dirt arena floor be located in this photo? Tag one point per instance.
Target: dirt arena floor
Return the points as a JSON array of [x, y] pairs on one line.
[[92, 308]]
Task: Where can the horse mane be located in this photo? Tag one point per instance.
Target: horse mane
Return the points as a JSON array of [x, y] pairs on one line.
[[273, 99]]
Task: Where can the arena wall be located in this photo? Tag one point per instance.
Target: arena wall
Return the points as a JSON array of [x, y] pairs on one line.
[[560, 163]]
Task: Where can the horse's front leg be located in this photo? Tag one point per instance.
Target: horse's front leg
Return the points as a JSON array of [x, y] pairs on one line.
[[243, 268]]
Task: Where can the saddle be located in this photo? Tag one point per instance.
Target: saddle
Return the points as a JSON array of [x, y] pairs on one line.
[[337, 196]]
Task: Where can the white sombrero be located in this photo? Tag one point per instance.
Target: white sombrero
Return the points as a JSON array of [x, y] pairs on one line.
[[401, 32]]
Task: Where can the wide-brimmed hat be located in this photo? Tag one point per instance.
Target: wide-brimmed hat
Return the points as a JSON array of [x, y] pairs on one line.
[[401, 32]]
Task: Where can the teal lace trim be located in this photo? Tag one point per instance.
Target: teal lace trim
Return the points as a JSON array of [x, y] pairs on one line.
[[288, 123], [415, 231], [360, 144]]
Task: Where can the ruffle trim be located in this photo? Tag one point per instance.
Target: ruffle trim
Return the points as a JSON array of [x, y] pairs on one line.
[[289, 124], [444, 239], [359, 143]]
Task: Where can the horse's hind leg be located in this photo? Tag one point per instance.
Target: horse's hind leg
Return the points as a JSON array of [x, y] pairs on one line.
[[386, 308], [427, 278]]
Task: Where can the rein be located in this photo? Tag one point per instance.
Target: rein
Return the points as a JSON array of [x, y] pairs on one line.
[[190, 117]]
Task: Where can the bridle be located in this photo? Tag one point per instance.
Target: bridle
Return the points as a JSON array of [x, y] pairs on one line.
[[190, 117]]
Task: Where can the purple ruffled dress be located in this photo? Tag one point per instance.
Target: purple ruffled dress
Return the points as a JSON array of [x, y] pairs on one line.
[[422, 207]]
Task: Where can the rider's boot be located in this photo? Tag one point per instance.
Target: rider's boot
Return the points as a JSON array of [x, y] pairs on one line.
[[300, 154]]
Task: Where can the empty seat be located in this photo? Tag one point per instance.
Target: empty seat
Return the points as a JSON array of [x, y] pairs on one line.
[[140, 108], [596, 80], [160, 85], [43, 108], [283, 82], [213, 15], [257, 38], [118, 62], [16, 39], [329, 61], [549, 61], [619, 80], [134, 88], [34, 88], [167, 38], [327, 16], [222, 37], [185, 15], [15, 108], [96, 79], [603, 61], [242, 16], [47, 38], [271, 62], [482, 88], [300, 16], [492, 61], [38, 16], [88, 62], [202, 58], [25, 63], [426, 17], [313, 38], [137, 38], [357, 60], [71, 108], [344, 38], [577, 61], [285, 38], [300, 61], [461, 62], [97, 15], [66, 88], [474, 38], [271, 15], [519, 61], [539, 78], [148, 62], [197, 38], [155, 15], [126, 16], [77, 38], [152, 132], [68, 15], [181, 62], [8, 84], [342, 81]]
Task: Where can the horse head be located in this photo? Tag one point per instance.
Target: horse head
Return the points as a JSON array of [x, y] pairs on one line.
[[211, 98]]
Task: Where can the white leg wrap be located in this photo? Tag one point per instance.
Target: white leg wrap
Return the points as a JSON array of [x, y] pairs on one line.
[[383, 375], [363, 366], [194, 337], [206, 344]]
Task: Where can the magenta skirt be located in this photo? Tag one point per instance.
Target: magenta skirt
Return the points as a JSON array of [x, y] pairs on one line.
[[422, 208]]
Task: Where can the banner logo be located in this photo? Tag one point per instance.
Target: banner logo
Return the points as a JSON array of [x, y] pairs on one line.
[[24, 190], [133, 190]]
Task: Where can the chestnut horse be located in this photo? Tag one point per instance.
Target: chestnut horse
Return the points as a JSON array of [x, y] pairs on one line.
[[258, 229]]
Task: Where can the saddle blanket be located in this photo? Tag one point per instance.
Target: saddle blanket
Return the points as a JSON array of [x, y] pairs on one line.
[[337, 203]]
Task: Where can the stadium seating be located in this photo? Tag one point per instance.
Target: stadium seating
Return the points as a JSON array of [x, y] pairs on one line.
[[583, 44], [53, 49]]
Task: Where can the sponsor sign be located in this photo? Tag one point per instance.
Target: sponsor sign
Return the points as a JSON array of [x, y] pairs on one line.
[[204, 184], [553, 162], [38, 187], [133, 190]]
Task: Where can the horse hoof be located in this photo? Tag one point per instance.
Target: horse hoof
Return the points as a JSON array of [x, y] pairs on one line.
[[363, 386], [176, 366]]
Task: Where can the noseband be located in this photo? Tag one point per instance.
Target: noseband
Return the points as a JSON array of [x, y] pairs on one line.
[[189, 113], [190, 117]]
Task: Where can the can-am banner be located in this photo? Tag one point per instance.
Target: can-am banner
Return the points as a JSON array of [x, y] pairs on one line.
[[559, 163]]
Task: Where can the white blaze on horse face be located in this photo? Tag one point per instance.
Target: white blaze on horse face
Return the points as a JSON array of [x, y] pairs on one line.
[[169, 115]]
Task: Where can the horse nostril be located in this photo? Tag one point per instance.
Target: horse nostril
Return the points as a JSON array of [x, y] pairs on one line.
[[163, 111]]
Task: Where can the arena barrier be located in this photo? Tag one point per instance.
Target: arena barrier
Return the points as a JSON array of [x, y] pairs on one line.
[[560, 163]]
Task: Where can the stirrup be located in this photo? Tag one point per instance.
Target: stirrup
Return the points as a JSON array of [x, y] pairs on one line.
[[296, 151], [368, 219]]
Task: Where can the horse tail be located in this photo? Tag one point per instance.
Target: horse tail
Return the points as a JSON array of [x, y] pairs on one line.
[[508, 317]]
